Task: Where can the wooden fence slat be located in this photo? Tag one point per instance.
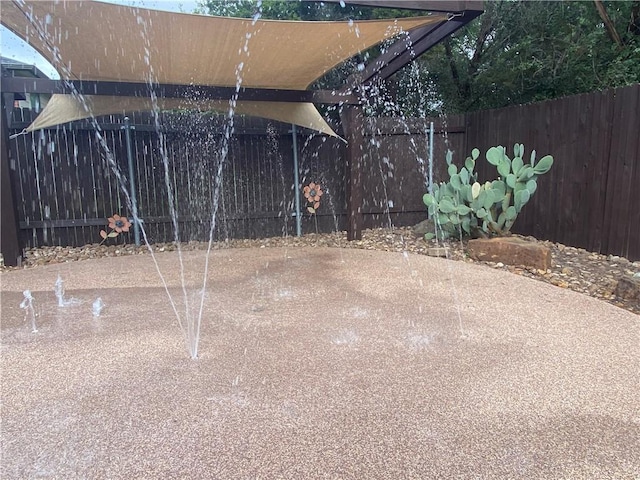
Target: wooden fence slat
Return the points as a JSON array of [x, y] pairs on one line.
[[594, 161], [633, 221], [621, 198]]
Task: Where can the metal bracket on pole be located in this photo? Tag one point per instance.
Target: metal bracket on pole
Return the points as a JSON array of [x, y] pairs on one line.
[[127, 127]]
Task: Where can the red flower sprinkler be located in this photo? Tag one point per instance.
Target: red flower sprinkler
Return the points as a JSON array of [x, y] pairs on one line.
[[117, 224], [312, 193]]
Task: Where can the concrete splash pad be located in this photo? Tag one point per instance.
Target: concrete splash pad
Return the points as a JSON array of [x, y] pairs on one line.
[[316, 363]]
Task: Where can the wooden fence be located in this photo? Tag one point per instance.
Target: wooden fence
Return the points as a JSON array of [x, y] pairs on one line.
[[591, 196], [65, 184], [65, 189]]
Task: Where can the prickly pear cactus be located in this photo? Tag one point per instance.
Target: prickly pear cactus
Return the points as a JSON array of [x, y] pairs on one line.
[[520, 183], [449, 203], [464, 206]]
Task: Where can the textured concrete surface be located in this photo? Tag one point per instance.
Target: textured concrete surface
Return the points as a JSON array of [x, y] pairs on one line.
[[315, 363]]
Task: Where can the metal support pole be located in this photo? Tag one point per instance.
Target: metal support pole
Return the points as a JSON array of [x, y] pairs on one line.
[[296, 181], [430, 187], [132, 183]]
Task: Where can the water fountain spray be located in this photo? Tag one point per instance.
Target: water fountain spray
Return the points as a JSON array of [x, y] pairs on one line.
[[29, 312]]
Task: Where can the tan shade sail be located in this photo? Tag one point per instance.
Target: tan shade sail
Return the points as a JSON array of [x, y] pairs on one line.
[[66, 108], [102, 41], [91, 40]]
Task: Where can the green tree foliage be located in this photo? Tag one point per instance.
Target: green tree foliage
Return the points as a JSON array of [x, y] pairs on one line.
[[518, 51], [295, 10], [525, 51], [267, 9]]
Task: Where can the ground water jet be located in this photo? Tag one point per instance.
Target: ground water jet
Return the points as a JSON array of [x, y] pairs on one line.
[[189, 322], [97, 307], [192, 332], [376, 98], [58, 290], [29, 312]]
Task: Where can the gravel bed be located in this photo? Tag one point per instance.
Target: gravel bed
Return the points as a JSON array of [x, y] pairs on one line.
[[590, 273]]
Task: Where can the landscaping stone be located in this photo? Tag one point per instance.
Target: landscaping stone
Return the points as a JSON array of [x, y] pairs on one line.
[[511, 251], [628, 288], [424, 227], [437, 252]]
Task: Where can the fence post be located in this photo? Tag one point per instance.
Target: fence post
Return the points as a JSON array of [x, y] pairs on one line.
[[352, 122], [9, 227]]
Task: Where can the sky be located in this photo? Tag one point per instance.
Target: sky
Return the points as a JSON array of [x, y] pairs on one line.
[[13, 47]]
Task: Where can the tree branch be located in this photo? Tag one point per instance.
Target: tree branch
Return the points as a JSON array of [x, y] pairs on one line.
[[613, 33], [455, 75], [634, 21], [486, 28]]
